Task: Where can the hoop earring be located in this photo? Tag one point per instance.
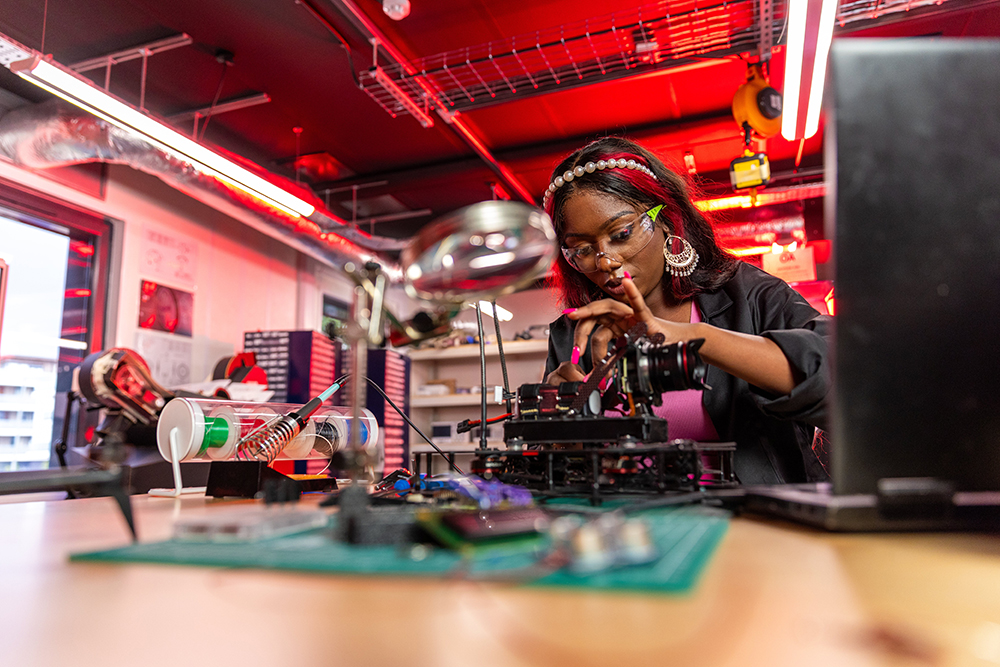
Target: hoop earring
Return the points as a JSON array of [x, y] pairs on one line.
[[683, 263]]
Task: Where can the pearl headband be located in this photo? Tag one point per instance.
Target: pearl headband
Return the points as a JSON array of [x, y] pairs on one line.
[[590, 168]]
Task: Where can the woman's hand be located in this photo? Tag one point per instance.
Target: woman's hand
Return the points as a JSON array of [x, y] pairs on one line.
[[608, 319], [756, 359], [567, 371]]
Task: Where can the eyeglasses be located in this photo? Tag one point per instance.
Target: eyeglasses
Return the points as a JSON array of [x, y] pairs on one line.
[[622, 244]]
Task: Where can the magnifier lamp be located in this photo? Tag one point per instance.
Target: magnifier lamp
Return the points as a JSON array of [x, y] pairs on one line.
[[480, 252]]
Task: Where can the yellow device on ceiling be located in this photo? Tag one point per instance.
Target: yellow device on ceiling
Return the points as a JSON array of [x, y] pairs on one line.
[[757, 104]]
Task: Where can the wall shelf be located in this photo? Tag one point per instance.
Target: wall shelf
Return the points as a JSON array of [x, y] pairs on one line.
[[510, 348], [447, 400], [525, 363]]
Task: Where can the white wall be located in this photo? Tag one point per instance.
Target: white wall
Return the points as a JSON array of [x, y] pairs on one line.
[[241, 279]]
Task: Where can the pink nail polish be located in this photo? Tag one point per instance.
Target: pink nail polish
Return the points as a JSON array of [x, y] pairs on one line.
[[604, 384], [569, 310], [628, 276], [575, 358]]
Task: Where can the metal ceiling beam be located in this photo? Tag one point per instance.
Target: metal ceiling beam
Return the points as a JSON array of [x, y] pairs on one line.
[[455, 122], [133, 53], [766, 23], [388, 181], [221, 107], [390, 217]]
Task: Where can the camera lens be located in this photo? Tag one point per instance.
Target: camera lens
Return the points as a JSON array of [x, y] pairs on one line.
[[676, 367]]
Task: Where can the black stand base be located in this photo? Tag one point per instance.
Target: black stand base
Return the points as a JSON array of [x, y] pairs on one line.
[[246, 479], [144, 472], [98, 482]]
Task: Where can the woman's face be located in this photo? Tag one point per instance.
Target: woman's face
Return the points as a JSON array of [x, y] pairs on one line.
[[592, 218]]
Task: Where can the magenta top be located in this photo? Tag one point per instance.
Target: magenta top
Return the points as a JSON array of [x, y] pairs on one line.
[[685, 411]]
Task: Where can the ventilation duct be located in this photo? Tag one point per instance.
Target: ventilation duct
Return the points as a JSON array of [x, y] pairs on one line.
[[56, 134]]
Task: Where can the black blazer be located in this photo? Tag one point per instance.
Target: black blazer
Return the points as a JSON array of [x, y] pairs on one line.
[[773, 434]]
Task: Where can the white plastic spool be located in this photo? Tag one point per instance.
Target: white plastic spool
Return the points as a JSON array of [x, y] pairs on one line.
[[192, 417]]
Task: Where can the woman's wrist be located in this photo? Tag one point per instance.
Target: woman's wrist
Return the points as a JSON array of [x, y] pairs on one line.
[[684, 331]]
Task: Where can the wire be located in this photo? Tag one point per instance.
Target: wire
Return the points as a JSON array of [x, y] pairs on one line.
[[482, 367], [45, 20], [215, 101], [492, 420], [343, 43], [503, 360], [337, 384], [413, 426], [784, 27], [468, 424]]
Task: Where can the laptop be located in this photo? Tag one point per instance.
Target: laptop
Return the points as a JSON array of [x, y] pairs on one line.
[[913, 169]]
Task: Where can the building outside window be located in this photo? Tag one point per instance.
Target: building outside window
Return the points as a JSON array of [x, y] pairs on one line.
[[53, 316]]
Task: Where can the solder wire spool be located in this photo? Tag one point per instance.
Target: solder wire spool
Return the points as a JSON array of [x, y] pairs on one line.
[[212, 429], [328, 432]]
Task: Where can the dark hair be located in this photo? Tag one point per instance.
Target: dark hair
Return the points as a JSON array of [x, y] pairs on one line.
[[679, 214]]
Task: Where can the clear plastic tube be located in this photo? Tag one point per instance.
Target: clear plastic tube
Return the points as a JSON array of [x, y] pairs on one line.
[[211, 429]]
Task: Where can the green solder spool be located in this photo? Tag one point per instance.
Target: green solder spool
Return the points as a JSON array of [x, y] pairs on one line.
[[216, 434]]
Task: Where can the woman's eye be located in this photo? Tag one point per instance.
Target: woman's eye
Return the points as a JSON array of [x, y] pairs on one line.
[[622, 235], [583, 251]]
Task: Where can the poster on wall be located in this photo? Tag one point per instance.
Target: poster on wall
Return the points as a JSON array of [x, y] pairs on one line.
[[163, 308], [791, 266], [168, 258], [168, 357]]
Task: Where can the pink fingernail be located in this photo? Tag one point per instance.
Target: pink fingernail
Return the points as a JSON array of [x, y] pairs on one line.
[[575, 358], [604, 384], [627, 275], [569, 310]]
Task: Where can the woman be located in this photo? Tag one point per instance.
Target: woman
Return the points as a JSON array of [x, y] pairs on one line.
[[635, 248]]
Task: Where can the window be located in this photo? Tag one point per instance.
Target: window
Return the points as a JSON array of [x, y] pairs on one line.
[[58, 258]]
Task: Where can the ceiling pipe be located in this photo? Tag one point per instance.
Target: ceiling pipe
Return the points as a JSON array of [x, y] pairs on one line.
[[454, 121], [56, 134]]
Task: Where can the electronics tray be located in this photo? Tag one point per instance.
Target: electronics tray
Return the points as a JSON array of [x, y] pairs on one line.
[[686, 538]]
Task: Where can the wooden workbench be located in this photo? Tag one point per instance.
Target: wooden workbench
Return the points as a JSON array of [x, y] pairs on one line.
[[772, 595]]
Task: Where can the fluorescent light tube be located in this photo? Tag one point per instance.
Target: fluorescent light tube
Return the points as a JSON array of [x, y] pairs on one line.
[[810, 32], [83, 94], [823, 41]]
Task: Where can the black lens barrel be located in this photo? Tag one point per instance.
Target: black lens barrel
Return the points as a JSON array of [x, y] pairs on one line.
[[677, 366]]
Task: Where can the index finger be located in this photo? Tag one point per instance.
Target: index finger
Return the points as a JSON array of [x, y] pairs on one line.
[[634, 296]]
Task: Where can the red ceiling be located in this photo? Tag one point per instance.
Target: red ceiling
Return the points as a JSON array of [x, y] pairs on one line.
[[281, 49]]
